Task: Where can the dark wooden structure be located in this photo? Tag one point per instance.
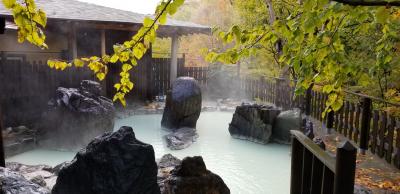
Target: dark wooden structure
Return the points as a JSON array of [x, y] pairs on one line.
[[370, 128], [314, 171], [26, 87]]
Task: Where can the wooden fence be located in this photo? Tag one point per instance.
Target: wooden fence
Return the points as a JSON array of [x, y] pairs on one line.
[[26, 87], [370, 128], [314, 171], [275, 91], [160, 75]]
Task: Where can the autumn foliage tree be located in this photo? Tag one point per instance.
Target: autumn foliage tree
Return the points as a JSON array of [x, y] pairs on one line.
[[322, 42]]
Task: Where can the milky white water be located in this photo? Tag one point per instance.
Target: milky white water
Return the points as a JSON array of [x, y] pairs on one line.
[[245, 167]]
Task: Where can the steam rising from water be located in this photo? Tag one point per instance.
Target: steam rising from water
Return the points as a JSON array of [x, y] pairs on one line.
[[245, 167]]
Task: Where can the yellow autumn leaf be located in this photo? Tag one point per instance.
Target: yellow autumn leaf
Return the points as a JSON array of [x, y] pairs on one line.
[[114, 58], [101, 76], [126, 67], [78, 63]]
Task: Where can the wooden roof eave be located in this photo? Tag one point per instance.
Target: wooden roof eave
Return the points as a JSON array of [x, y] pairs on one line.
[[163, 31]]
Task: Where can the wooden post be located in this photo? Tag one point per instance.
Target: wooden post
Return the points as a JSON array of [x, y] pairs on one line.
[[174, 58], [103, 42], [72, 47], [329, 121], [278, 89], [2, 25], [365, 124], [2, 155], [3, 57], [346, 155], [103, 52], [150, 84], [297, 166], [308, 101]]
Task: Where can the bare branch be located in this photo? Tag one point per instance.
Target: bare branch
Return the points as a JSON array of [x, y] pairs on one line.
[[370, 3]]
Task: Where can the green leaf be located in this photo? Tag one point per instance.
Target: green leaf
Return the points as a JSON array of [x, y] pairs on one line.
[[382, 14], [147, 22], [163, 19]]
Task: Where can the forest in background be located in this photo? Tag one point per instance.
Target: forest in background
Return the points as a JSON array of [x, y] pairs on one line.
[[369, 77]]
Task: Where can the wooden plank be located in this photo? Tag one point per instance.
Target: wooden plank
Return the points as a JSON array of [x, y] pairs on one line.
[[351, 121], [296, 166], [327, 181], [365, 124], [346, 118], [315, 107], [382, 131], [397, 155], [357, 123], [2, 154], [316, 176], [340, 127], [389, 139], [307, 168], [374, 132]]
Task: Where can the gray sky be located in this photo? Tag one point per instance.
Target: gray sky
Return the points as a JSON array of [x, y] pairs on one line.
[[138, 6]]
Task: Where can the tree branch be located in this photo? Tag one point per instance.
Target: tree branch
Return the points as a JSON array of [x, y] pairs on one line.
[[369, 3]]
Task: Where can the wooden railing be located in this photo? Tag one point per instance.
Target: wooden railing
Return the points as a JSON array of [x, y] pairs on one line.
[[314, 171], [371, 129]]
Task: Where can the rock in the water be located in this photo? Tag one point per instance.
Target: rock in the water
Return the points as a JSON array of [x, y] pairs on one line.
[[18, 140], [183, 104], [181, 138], [253, 123], [190, 176], [12, 182], [39, 174], [114, 163], [76, 116], [286, 121]]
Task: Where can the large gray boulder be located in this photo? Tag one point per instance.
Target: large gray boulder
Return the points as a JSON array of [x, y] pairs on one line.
[[253, 122], [76, 116], [114, 163], [284, 122], [12, 182], [183, 104], [188, 176]]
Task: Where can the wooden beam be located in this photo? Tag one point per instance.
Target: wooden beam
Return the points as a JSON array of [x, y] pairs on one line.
[[2, 25], [2, 154], [174, 58], [103, 42], [72, 47]]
